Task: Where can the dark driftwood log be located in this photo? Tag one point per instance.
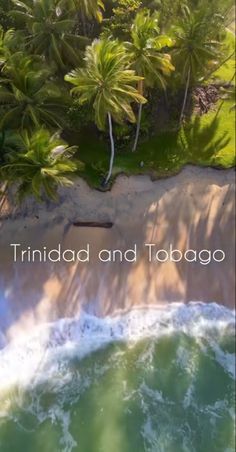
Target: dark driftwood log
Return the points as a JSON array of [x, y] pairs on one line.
[[93, 224]]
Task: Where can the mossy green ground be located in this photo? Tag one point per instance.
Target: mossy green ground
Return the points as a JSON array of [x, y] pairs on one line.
[[206, 141]]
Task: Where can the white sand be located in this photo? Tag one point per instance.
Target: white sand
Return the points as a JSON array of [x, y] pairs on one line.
[[194, 209]]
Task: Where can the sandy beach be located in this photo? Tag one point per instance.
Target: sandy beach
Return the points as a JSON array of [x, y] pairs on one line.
[[193, 210]]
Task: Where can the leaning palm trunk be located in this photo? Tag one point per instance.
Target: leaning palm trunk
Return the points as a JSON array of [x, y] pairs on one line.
[[138, 127], [185, 97], [140, 90], [3, 192], [112, 148]]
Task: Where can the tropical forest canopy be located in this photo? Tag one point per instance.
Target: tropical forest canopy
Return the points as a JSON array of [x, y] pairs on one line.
[[93, 88]]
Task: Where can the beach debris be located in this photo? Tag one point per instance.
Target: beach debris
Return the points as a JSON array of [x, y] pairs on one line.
[[205, 97], [93, 224]]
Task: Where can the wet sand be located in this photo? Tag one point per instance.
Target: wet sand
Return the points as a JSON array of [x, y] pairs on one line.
[[194, 209]]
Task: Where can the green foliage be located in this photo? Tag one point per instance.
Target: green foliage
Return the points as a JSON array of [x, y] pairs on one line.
[[169, 12], [10, 141], [43, 163], [222, 138], [196, 133], [123, 134], [213, 8], [90, 9], [10, 42], [226, 70], [50, 30], [146, 49], [123, 14], [41, 40], [5, 20], [106, 82], [79, 116], [195, 51], [5, 40], [28, 97]]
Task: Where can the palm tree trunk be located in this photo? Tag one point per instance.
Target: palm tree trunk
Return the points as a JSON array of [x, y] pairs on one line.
[[185, 98], [112, 148], [140, 90], [138, 127], [3, 192]]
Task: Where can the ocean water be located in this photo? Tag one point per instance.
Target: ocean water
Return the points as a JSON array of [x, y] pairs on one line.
[[150, 380]]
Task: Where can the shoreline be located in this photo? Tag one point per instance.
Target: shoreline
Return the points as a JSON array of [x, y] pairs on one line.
[[194, 209], [82, 335], [141, 182]]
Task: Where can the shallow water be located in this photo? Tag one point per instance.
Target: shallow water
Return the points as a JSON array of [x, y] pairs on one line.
[[156, 381]]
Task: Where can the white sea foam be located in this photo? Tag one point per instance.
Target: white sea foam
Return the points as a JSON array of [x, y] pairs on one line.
[[34, 359]]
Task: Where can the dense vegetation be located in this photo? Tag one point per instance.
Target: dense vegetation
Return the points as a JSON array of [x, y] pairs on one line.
[[145, 85]]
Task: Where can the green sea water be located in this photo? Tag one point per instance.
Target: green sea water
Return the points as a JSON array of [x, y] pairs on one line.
[[172, 392]]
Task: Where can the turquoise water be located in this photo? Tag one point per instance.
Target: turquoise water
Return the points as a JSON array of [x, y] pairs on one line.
[[156, 383]]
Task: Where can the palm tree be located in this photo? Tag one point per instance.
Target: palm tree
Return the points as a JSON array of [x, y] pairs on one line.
[[50, 29], [195, 50], [107, 83], [28, 97], [43, 163], [146, 52]]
